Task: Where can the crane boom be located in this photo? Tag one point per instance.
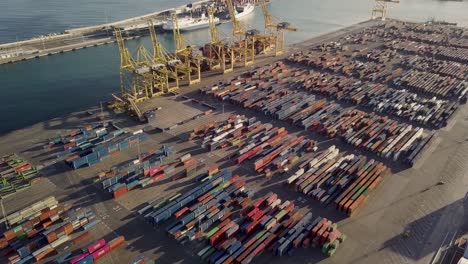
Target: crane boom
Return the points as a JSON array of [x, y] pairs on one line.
[[178, 41], [237, 28], [125, 59], [213, 29], [158, 50], [381, 8]]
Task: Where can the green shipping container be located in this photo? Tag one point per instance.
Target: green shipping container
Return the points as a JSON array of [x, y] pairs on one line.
[[325, 247], [259, 235], [212, 232]]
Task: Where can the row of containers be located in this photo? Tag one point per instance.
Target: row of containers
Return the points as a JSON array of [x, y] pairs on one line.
[[433, 44], [92, 144], [442, 67], [15, 174], [44, 229], [236, 228], [93, 252], [442, 35], [366, 67], [149, 168], [378, 97], [273, 149], [380, 135], [328, 176]]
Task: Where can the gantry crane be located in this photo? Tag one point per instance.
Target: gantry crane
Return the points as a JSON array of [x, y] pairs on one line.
[[274, 29], [245, 39], [184, 51], [133, 73], [218, 51], [380, 8], [162, 65]]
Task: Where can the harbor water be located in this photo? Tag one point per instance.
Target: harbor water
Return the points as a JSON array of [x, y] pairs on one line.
[[37, 90]]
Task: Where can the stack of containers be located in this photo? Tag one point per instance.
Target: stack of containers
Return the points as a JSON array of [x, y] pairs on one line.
[[237, 229], [345, 181], [97, 250], [31, 211], [190, 166], [103, 150], [369, 131], [273, 147], [44, 233], [41, 234], [139, 172], [89, 145], [15, 174], [434, 112]]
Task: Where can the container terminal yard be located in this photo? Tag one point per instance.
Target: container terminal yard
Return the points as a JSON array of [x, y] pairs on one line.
[[351, 147]]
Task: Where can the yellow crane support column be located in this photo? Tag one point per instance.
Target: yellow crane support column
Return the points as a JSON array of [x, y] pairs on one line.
[[126, 62], [185, 51], [249, 48], [380, 9], [143, 88], [275, 30], [218, 50], [161, 72], [246, 48]]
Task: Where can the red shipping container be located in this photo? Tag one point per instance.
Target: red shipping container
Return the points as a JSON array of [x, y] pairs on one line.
[[181, 212], [120, 192], [101, 252], [75, 260], [96, 245], [158, 177]]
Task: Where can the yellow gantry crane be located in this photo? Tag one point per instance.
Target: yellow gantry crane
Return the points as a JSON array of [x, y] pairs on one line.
[[162, 66], [134, 74], [380, 9], [274, 29], [219, 52], [184, 51], [245, 39]]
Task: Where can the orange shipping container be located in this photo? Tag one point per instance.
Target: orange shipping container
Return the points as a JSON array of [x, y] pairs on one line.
[[81, 237], [46, 224], [32, 232], [116, 242], [68, 228], [9, 235], [45, 254], [3, 243], [51, 237]]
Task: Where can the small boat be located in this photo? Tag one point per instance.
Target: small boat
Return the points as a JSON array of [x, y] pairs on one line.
[[190, 23]]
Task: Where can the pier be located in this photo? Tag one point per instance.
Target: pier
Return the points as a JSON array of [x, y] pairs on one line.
[[85, 37]]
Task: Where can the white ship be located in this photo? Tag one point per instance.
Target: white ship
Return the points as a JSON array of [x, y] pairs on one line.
[[190, 23], [244, 11], [142, 26]]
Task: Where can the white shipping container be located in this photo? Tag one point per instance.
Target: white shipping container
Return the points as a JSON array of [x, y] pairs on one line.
[[59, 241]]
